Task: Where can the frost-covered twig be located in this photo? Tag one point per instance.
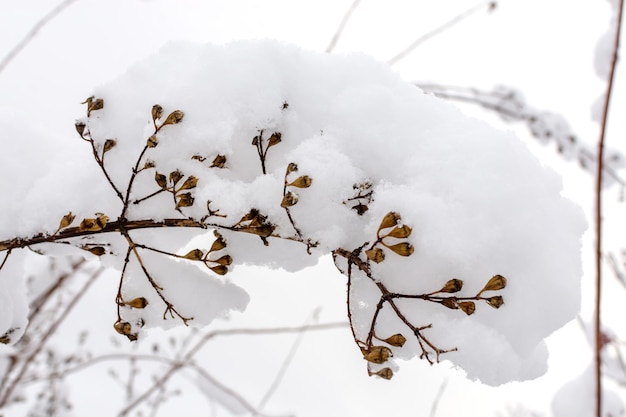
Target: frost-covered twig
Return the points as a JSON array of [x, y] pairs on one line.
[[545, 126], [389, 236], [598, 217], [491, 5]]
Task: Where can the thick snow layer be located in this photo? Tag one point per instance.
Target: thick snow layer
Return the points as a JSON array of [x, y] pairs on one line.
[[479, 204]]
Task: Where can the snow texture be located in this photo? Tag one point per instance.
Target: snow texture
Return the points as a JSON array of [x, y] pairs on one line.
[[478, 202]]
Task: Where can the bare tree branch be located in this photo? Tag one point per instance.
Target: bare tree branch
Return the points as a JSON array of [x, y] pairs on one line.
[[159, 382], [28, 361], [491, 5], [342, 25], [33, 32], [598, 219], [283, 368]]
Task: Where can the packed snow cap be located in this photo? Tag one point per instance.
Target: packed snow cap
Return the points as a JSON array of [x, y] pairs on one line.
[[322, 150]]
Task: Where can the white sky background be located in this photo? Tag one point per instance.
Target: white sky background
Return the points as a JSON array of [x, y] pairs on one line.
[[544, 48]]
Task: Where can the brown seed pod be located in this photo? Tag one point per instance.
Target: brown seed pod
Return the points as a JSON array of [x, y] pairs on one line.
[[497, 282], [452, 286], [378, 354], [375, 255]]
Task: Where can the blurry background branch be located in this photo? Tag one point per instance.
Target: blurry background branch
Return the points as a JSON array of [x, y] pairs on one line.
[[30, 35]]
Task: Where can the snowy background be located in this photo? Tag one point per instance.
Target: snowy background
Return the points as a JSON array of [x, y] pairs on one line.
[[92, 43]]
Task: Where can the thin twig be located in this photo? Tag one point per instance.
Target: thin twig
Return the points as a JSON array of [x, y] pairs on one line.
[[159, 382], [619, 275], [284, 366], [437, 399], [598, 219], [28, 361], [423, 38], [38, 303], [33, 32], [229, 391], [342, 25], [6, 256], [513, 109]]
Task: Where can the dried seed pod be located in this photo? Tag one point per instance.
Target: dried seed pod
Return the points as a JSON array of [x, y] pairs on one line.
[[289, 200], [157, 112], [108, 145], [149, 164], [139, 302], [468, 307], [102, 220], [123, 327], [400, 232], [218, 244], [219, 269], [360, 209], [219, 161], [194, 255], [275, 139], [376, 255], [452, 286], [90, 225], [174, 117], [176, 176], [402, 249], [497, 282], [189, 183], [263, 230], [224, 260], [95, 250], [391, 219], [302, 182], [385, 373], [291, 168], [255, 140], [66, 220], [152, 142], [93, 104], [451, 303], [198, 158], [396, 340], [80, 128], [160, 179], [378, 354], [253, 213], [185, 200], [495, 301]]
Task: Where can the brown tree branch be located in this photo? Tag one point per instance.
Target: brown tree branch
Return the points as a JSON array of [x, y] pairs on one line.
[[598, 218]]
